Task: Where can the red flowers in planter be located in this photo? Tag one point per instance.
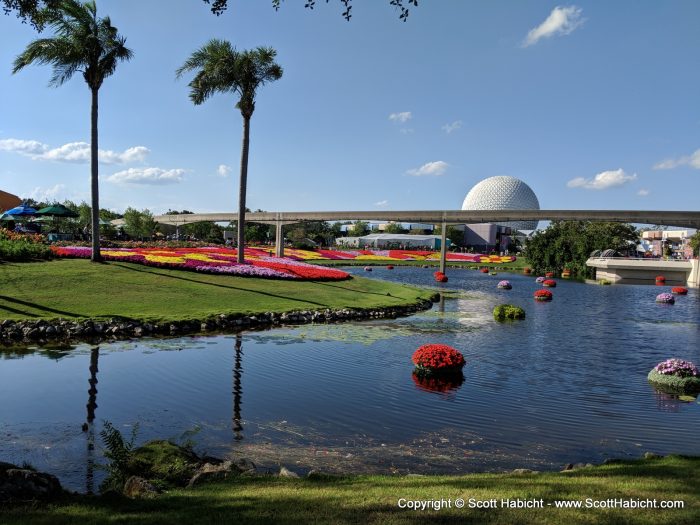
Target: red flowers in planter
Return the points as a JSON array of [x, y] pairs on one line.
[[527, 271], [679, 290], [549, 274], [434, 358], [543, 295], [440, 277], [660, 279], [389, 267], [484, 270], [551, 283], [566, 273]]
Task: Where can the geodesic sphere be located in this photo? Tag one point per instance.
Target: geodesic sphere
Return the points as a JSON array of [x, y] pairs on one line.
[[503, 193]]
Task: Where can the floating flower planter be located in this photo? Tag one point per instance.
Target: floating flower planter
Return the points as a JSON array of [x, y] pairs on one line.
[[437, 359], [566, 274], [549, 274], [675, 376], [389, 267], [504, 312], [551, 283], [504, 285], [484, 270], [493, 273], [527, 271], [440, 277], [665, 298], [368, 268], [543, 295], [679, 290], [660, 279], [539, 280]]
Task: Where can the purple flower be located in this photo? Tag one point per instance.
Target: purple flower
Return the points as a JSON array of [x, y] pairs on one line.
[[677, 367], [666, 298]]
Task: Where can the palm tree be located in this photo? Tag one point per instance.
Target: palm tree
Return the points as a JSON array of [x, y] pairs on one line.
[[82, 42], [222, 69]]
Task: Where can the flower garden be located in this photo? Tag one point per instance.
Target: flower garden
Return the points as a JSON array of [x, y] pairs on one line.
[[212, 260]]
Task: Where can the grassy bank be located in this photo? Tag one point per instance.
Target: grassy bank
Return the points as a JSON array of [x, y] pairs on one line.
[[81, 289], [374, 499]]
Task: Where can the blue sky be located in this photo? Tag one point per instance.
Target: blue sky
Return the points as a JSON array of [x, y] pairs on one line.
[[593, 104]]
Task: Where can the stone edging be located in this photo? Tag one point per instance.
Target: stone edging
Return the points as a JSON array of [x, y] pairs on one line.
[[41, 331]]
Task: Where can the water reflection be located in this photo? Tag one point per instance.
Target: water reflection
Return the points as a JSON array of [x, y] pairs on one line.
[[441, 384], [237, 389], [88, 427]]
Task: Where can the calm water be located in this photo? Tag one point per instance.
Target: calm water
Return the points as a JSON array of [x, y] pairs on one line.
[[568, 384]]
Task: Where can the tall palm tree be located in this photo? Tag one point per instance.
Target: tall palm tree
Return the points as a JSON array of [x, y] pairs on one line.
[[87, 44], [222, 69]]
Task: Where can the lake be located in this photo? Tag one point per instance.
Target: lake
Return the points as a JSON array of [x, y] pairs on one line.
[[567, 384]]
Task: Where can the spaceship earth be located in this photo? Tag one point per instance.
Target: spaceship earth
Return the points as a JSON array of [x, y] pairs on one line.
[[503, 193]]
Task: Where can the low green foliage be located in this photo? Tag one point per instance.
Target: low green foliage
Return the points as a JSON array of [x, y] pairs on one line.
[[23, 251], [674, 384], [119, 454], [504, 312], [375, 499], [163, 461]]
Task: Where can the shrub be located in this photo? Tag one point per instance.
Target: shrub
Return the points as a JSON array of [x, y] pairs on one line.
[[23, 250], [675, 376], [504, 312]]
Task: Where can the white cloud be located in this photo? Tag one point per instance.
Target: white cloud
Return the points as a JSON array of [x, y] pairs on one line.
[[454, 126], [402, 117], [47, 194], [72, 152], [435, 168], [603, 180], [561, 21], [692, 160], [151, 176], [381, 203], [643, 192], [223, 170], [24, 147]]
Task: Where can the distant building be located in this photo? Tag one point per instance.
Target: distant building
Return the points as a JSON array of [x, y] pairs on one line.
[[395, 241], [656, 241], [498, 193], [8, 201]]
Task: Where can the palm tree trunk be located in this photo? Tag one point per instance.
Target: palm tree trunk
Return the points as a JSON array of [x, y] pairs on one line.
[[242, 189], [94, 181]]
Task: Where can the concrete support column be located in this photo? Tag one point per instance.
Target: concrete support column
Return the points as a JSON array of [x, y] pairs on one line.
[[279, 240], [443, 247]]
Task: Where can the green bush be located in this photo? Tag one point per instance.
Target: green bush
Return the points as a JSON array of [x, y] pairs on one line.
[[504, 312], [21, 250]]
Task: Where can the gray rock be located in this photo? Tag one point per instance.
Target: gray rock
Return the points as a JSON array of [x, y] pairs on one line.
[[22, 485], [139, 488], [521, 471]]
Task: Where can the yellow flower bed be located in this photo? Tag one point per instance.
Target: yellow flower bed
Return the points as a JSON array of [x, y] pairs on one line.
[[163, 259]]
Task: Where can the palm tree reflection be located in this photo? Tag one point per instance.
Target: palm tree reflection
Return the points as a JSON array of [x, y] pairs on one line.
[[237, 389], [88, 426]]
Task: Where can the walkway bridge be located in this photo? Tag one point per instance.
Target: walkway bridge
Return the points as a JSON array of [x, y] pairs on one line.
[[626, 269]]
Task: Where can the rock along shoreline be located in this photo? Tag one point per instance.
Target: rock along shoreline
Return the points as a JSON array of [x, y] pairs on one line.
[[95, 331]]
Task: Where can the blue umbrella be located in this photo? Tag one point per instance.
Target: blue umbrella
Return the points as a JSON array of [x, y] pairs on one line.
[[21, 211]]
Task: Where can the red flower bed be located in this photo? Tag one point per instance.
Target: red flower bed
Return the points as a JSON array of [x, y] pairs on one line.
[[543, 295], [551, 283], [679, 290], [437, 358]]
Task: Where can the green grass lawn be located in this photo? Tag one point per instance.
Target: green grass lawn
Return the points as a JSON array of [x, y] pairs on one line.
[[73, 288], [373, 500]]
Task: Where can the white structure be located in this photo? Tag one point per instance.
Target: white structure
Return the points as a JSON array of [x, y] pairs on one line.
[[503, 193], [392, 241]]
